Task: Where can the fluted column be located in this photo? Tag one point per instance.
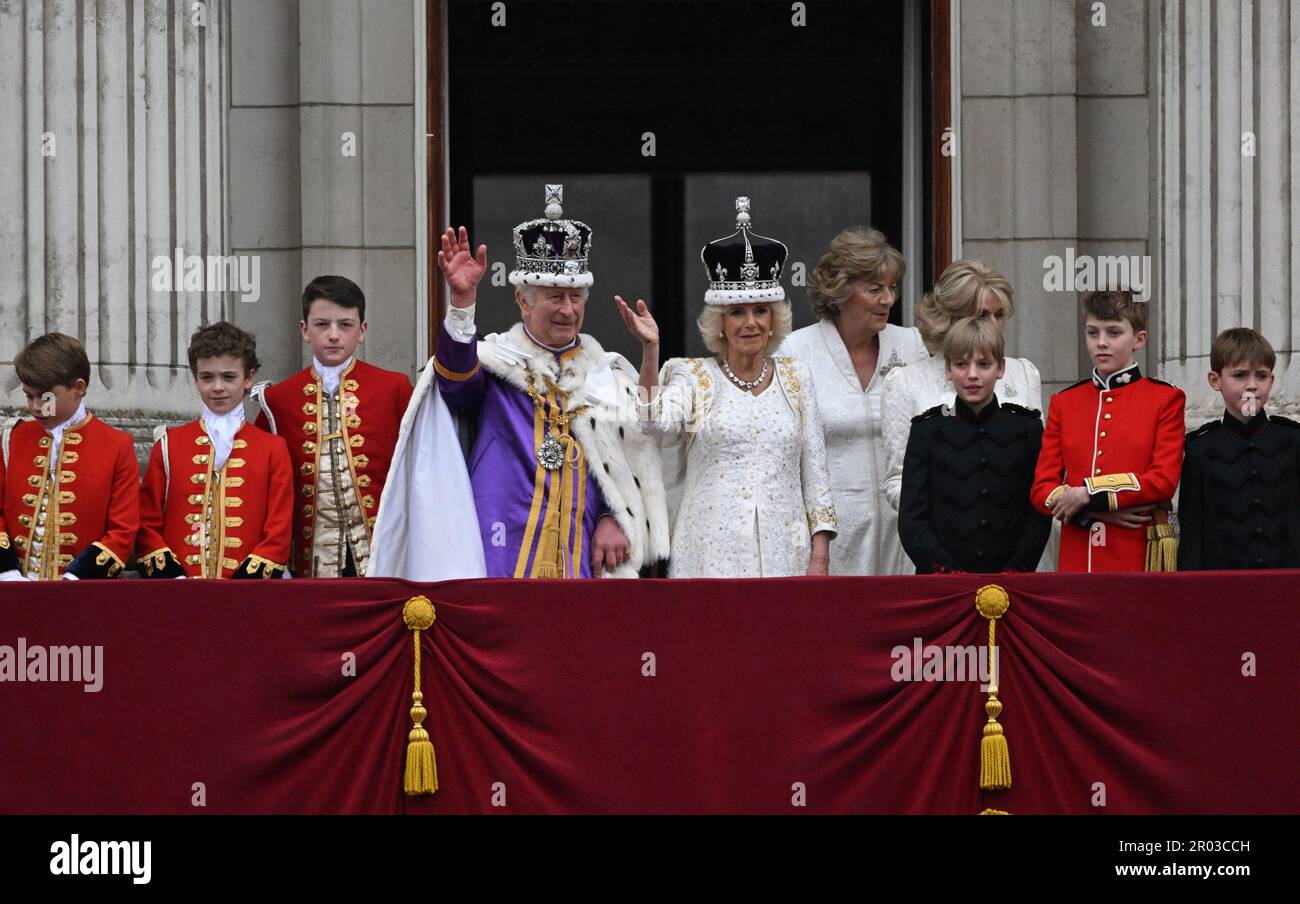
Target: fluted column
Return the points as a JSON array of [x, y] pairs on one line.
[[1228, 222], [112, 156]]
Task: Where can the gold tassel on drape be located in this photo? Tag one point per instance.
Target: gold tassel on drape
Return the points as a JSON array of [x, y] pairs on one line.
[[1162, 545], [992, 602], [421, 767]]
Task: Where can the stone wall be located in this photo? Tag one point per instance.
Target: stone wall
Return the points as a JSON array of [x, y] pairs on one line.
[[222, 128], [112, 157], [1227, 214], [138, 129], [1054, 149], [305, 76]]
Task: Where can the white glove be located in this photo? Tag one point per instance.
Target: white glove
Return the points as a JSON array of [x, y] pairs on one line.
[[13, 574]]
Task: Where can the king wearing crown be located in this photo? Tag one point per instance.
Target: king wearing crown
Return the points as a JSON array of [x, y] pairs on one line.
[[564, 484]]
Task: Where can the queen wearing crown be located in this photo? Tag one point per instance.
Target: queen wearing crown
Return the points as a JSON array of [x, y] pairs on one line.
[[741, 431]]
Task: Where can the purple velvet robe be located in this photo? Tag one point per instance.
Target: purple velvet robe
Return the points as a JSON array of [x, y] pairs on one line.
[[512, 492]]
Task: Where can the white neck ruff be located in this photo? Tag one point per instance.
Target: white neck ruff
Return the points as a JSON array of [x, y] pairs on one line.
[[221, 430], [329, 376]]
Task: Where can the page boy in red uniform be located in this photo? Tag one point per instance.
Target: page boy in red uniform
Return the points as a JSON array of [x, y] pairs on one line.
[[68, 503], [341, 418], [217, 496], [1113, 449]]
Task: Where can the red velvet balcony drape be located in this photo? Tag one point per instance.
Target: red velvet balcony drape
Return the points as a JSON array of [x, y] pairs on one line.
[[655, 696]]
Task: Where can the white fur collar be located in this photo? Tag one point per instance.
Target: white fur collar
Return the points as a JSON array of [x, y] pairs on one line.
[[583, 373]]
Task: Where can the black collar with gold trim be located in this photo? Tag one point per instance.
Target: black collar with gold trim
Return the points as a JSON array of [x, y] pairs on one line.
[[1125, 376]]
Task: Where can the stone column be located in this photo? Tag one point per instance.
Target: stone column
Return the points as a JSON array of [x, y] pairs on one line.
[[323, 151], [1017, 155], [113, 156], [1228, 222]]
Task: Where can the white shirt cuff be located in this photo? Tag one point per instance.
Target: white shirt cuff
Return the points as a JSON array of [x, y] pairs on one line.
[[460, 323]]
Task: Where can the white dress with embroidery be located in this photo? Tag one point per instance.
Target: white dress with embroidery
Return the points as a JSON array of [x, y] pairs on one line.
[[917, 388], [867, 542], [752, 468]]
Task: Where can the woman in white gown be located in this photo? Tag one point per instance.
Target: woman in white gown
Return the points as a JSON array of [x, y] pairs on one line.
[[756, 500], [850, 350], [968, 288]]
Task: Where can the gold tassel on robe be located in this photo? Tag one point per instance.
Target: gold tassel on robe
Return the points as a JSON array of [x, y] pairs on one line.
[[552, 559], [553, 543], [421, 767]]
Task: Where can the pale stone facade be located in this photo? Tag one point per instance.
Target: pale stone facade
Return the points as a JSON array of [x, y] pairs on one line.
[[1054, 154], [138, 129], [222, 128], [1127, 139]]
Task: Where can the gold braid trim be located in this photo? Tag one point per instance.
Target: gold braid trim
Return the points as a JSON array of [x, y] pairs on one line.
[[454, 375], [107, 557], [156, 560], [267, 568], [1112, 483]]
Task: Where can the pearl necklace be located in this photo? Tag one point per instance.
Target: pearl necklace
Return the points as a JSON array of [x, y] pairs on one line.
[[744, 384]]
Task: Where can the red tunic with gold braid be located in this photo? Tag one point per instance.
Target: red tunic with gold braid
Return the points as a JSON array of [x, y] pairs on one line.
[[78, 514], [232, 522], [1121, 438], [341, 445]]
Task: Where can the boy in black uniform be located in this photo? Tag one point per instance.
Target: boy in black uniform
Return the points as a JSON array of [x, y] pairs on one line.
[[1239, 505], [965, 503]]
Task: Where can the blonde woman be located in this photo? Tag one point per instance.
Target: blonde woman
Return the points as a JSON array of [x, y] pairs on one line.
[[850, 350], [968, 288], [756, 497]]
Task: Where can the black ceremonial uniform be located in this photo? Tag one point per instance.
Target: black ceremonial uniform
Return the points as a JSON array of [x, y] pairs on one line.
[[1239, 506], [966, 503]]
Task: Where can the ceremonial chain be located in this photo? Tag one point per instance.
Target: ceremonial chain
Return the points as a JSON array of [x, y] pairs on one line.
[[550, 454], [744, 384]]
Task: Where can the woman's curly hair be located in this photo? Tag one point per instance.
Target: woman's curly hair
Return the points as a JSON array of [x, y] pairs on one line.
[[858, 252]]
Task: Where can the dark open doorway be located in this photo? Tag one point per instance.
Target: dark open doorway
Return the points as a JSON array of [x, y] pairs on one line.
[[655, 115]]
